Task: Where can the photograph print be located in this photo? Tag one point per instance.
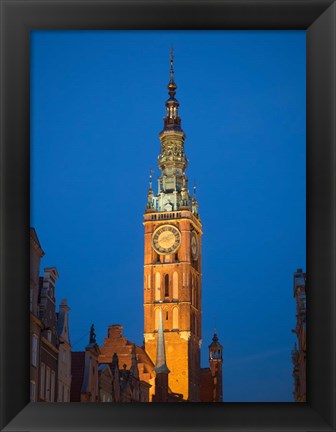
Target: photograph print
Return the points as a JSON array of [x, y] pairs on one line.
[[168, 216]]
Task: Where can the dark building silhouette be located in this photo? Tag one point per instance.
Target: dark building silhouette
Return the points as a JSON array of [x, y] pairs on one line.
[[300, 348], [84, 370], [36, 254], [49, 337], [50, 366]]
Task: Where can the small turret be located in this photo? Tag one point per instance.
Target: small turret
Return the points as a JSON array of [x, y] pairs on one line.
[[215, 349], [92, 340], [194, 203], [150, 194], [216, 363]]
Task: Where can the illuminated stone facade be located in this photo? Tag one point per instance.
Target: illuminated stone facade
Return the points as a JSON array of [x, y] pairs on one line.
[[173, 260]]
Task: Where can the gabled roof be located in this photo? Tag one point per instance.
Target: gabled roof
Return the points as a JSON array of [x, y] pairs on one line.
[[117, 344]]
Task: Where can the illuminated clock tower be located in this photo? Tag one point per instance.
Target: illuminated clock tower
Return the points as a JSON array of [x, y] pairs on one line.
[[172, 260]]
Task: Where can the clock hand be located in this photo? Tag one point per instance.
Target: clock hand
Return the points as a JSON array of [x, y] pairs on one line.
[[167, 237]]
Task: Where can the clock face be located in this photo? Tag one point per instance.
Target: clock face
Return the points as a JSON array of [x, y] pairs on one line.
[[194, 246], [166, 239]]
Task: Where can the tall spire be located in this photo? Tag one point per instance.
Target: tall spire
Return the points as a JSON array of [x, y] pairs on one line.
[[172, 120], [172, 64], [173, 193], [171, 85], [161, 366]]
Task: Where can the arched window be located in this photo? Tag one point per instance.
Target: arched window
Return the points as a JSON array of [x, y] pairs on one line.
[[157, 286], [175, 318], [175, 285], [157, 317], [166, 285]]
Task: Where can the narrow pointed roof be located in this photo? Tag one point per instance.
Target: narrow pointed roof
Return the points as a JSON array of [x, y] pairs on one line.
[[160, 365], [215, 341], [172, 121]]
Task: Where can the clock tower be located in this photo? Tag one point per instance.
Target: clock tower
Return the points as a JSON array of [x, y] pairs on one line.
[[172, 260]]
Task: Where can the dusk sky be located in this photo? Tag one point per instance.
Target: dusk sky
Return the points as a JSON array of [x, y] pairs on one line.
[[97, 104]]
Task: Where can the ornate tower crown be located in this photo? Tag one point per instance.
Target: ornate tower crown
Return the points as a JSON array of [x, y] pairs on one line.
[[215, 349], [173, 193]]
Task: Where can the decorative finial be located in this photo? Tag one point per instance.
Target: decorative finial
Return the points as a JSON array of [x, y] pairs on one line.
[[92, 335], [171, 85], [215, 330], [194, 188], [172, 64], [151, 172]]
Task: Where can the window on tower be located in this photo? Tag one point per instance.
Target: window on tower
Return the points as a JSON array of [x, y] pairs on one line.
[[166, 285], [157, 286]]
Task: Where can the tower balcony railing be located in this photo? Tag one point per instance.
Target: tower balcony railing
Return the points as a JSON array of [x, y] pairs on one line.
[[162, 216]]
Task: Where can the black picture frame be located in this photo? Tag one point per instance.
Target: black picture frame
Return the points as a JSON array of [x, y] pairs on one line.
[[18, 18]]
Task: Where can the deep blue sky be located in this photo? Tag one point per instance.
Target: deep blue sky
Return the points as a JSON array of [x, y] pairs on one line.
[[97, 103]]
